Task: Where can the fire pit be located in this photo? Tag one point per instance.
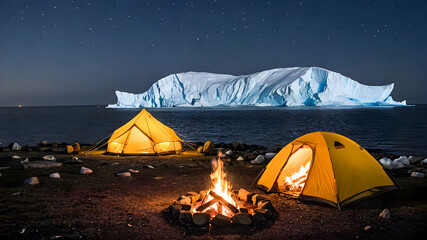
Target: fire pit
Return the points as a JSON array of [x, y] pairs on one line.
[[220, 206]]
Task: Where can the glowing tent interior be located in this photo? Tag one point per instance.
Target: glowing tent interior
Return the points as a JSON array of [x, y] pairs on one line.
[[326, 167], [144, 135]]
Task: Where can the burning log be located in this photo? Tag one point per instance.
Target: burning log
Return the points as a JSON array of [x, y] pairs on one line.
[[245, 195], [206, 205], [226, 204]]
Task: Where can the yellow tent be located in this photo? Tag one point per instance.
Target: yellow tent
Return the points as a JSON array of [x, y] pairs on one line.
[[144, 135], [325, 167]]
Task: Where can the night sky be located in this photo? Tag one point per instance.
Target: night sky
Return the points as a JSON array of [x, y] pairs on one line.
[[79, 52]]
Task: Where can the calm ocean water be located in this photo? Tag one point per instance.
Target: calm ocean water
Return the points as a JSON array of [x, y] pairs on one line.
[[400, 130]]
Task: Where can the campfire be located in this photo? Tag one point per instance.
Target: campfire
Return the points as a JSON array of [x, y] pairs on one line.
[[220, 205], [297, 180]]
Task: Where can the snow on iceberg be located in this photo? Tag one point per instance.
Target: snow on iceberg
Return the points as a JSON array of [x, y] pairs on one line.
[[306, 86]]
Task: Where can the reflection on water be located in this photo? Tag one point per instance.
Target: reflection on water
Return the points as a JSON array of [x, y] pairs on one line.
[[401, 130]]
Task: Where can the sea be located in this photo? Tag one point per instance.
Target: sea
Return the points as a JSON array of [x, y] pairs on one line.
[[397, 130]]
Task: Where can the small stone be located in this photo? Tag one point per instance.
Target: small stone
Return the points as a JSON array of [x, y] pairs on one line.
[[201, 218], [185, 216], [85, 170], [44, 142], [54, 175], [258, 160], [269, 156], [418, 175], [31, 181], [149, 167], [157, 178], [220, 220], [266, 204], [245, 195], [229, 153], [25, 161], [14, 157], [16, 147], [367, 228], [237, 146], [175, 210], [49, 158], [115, 164], [258, 218], [267, 213], [423, 162], [252, 156], [385, 214], [124, 174], [256, 199], [240, 159], [43, 164], [242, 218], [133, 170]]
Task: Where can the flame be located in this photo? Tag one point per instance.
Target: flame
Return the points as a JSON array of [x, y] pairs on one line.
[[220, 186], [297, 180]]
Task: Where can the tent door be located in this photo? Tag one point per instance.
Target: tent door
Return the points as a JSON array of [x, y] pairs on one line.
[[294, 174]]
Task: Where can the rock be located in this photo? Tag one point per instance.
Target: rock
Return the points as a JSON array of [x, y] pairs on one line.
[[183, 200], [266, 212], [418, 175], [49, 158], [44, 142], [58, 150], [367, 228], [185, 207], [133, 170], [201, 218], [240, 159], [266, 204], [258, 218], [115, 164], [85, 170], [16, 147], [193, 196], [175, 210], [69, 149], [44, 149], [242, 218], [245, 195], [385, 214], [256, 199], [424, 162], [200, 149], [149, 167], [43, 164], [1, 175], [31, 181], [54, 175], [237, 146], [258, 160], [14, 157], [25, 161], [185, 216], [209, 148], [404, 160], [124, 174], [74, 160], [6, 150], [269, 156], [229, 153], [252, 156], [220, 220], [157, 178]]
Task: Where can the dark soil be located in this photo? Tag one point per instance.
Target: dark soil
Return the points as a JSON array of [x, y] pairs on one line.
[[101, 205]]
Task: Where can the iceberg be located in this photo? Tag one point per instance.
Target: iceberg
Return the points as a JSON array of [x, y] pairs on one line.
[[297, 86]]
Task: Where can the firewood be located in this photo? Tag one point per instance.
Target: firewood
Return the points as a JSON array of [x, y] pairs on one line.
[[257, 198], [226, 204], [245, 195], [206, 205]]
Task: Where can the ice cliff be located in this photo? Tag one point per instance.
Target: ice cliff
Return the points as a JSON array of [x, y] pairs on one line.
[[305, 86]]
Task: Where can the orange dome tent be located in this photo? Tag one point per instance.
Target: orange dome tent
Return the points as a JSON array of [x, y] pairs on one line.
[[326, 167], [144, 135]]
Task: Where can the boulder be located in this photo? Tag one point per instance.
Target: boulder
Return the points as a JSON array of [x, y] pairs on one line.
[[123, 174], [270, 155], [252, 156], [31, 181], [258, 160], [242, 218], [240, 159], [418, 175], [16, 147], [209, 148], [54, 175], [385, 214], [49, 158], [85, 170], [201, 218]]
